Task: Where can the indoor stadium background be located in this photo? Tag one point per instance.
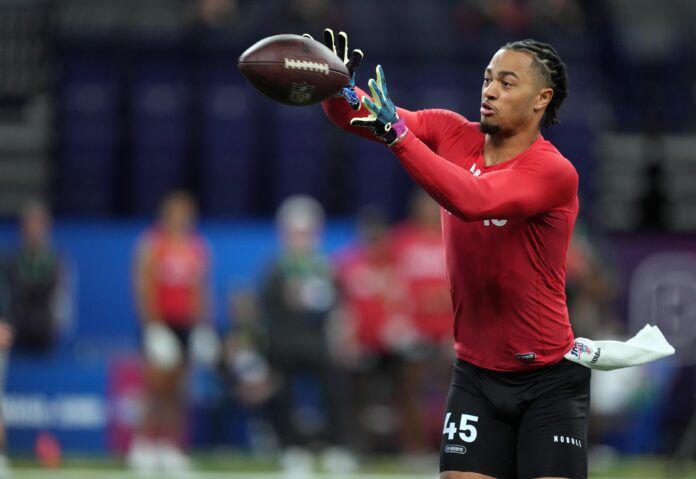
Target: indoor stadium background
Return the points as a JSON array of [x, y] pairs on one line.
[[106, 105]]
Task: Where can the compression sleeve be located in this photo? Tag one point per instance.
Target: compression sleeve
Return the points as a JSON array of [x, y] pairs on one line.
[[526, 189]]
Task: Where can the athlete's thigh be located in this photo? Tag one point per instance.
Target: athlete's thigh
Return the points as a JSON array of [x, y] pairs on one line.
[[474, 438], [552, 440]]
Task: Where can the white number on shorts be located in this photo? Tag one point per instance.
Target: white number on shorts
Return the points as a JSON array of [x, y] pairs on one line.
[[467, 432]]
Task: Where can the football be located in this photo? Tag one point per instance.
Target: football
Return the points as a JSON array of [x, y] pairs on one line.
[[293, 69]]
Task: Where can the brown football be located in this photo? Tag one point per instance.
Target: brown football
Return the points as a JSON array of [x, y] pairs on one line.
[[293, 69]]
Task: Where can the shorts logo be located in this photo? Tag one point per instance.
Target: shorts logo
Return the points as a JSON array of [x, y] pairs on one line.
[[571, 441], [526, 357], [455, 449]]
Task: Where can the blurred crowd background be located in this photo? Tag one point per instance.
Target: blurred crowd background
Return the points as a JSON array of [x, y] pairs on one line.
[[323, 273]]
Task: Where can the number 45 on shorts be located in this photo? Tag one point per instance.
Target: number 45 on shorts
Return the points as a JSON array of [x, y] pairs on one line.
[[467, 432]]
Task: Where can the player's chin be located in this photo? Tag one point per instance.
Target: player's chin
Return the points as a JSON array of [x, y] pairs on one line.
[[488, 127]]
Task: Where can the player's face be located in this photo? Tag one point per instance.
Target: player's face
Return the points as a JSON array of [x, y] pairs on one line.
[[178, 216], [300, 238], [36, 226], [510, 95]]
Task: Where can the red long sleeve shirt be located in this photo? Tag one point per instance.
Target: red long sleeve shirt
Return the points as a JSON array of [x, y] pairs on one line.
[[506, 230]]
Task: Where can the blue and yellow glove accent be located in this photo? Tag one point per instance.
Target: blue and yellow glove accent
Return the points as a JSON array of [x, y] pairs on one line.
[[340, 48], [383, 120]]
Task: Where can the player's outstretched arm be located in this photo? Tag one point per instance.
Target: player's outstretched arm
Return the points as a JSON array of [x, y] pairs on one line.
[[535, 186], [526, 190], [379, 114]]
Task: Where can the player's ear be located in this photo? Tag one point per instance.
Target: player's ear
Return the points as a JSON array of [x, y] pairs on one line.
[[543, 98]]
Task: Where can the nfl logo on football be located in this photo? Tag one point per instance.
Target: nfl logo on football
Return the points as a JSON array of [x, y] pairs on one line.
[[301, 92]]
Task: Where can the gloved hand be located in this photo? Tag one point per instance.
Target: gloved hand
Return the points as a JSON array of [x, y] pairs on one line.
[[383, 120], [352, 63]]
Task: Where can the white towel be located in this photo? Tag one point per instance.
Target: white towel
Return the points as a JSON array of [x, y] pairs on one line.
[[161, 346], [204, 345], [648, 345]]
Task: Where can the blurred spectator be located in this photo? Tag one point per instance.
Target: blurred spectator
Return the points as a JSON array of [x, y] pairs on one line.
[[508, 16], [420, 264], [6, 337], [33, 274], [558, 15], [172, 293], [654, 203], [216, 13], [243, 362], [297, 296], [369, 334], [591, 290], [647, 32], [247, 378], [236, 21], [29, 296], [370, 293], [310, 13], [520, 16]]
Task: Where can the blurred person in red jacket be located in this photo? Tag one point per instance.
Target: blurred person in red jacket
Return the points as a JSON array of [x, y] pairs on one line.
[[420, 264], [371, 332], [371, 295], [420, 261], [172, 293]]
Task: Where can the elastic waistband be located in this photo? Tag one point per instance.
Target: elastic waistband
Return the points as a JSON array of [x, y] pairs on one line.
[[525, 375]]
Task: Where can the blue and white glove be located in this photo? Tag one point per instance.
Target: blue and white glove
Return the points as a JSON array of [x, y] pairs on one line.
[[383, 120], [351, 63]]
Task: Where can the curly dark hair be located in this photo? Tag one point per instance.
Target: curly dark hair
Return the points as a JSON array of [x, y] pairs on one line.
[[551, 69]]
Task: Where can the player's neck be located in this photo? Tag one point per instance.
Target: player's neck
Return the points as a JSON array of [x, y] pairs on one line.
[[500, 148]]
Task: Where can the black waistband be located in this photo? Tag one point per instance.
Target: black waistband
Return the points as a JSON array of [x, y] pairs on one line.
[[526, 375]]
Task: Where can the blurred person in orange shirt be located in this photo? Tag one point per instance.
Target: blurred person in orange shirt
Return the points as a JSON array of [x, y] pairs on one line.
[[420, 264], [420, 261], [369, 290], [172, 295]]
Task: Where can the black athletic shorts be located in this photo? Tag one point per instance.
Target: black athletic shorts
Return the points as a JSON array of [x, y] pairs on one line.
[[183, 336], [517, 425]]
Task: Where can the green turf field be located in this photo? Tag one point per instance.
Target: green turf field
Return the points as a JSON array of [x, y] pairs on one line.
[[218, 467]]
